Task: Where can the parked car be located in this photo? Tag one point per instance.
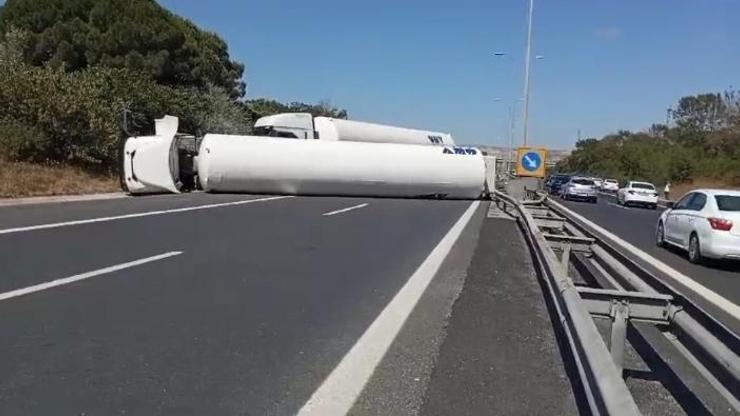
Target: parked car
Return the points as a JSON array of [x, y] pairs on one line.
[[610, 185], [579, 189], [556, 182], [705, 223], [598, 182], [638, 193]]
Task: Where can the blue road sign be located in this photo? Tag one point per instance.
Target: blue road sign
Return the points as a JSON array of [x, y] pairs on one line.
[[531, 161]]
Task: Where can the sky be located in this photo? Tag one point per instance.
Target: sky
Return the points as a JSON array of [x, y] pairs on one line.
[[430, 64]]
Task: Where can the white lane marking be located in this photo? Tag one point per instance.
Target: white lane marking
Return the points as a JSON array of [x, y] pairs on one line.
[[136, 215], [338, 392], [616, 205], [339, 211], [71, 279], [712, 297]]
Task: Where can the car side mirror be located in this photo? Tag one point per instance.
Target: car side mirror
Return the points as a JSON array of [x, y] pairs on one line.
[[670, 204]]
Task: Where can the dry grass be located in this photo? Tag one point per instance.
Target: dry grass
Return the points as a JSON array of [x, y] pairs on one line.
[[679, 189], [18, 179]]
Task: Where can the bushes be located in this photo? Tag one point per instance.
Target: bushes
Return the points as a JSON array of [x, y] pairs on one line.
[[22, 142], [49, 114], [703, 143]]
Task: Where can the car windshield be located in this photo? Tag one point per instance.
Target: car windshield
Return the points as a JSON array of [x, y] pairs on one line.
[[583, 181], [728, 202], [611, 181], [640, 185]]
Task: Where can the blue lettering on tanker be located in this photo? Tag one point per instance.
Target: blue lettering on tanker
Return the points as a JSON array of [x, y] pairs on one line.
[[457, 150]]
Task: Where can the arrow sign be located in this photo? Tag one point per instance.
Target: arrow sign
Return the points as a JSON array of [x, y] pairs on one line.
[[531, 161]]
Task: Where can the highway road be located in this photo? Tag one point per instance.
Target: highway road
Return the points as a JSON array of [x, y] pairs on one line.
[[197, 304], [252, 304], [637, 226]]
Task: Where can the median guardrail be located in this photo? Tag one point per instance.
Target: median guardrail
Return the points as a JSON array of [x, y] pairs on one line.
[[628, 293], [602, 382]]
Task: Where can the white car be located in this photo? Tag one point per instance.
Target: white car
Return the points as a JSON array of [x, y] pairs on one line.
[[598, 182], [638, 193], [705, 223], [610, 185]]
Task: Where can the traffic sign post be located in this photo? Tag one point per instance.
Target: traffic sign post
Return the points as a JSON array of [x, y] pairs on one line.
[[531, 161]]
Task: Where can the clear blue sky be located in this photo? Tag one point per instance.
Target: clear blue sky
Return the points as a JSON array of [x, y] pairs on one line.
[[429, 64]]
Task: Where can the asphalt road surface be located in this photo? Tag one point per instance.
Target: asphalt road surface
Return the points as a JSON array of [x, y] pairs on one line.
[[197, 304], [637, 226], [258, 305]]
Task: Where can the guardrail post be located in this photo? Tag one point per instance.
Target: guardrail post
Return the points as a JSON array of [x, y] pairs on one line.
[[619, 315], [565, 259]]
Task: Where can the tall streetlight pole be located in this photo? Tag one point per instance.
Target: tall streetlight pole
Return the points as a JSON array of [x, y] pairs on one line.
[[526, 73], [512, 128]]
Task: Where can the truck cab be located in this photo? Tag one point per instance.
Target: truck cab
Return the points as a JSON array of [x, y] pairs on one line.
[[286, 125]]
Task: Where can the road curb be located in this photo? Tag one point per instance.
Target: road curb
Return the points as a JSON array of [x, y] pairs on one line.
[[9, 202]]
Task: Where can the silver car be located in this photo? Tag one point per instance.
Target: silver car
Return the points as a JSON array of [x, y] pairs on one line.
[[579, 189]]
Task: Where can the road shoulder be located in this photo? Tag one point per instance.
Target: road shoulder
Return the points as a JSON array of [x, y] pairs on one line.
[[398, 383], [500, 355]]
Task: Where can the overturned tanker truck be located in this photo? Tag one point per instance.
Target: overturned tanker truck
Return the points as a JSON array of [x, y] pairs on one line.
[[333, 157]]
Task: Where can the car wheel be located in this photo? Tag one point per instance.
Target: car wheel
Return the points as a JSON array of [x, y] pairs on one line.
[[654, 206], [595, 200], [660, 235], [694, 249]]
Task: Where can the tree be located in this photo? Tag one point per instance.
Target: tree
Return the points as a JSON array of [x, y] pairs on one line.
[[701, 113], [262, 107], [705, 143], [137, 35]]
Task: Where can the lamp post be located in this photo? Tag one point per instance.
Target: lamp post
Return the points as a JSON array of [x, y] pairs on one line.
[[527, 72]]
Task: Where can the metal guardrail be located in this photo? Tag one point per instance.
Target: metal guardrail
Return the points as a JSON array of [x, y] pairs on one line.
[[632, 294], [602, 382], [714, 349]]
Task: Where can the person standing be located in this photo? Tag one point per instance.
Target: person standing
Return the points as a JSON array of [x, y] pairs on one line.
[[667, 191]]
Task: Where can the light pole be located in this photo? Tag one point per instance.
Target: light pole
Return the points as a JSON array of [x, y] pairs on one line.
[[526, 72], [512, 128]]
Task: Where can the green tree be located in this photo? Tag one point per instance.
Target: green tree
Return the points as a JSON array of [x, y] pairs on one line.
[[138, 35], [264, 107], [701, 113], [704, 143]]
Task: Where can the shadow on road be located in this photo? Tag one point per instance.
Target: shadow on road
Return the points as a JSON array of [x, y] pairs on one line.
[[723, 265]]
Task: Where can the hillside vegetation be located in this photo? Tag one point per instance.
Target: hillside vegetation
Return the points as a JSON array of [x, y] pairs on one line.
[[70, 69], [701, 144]]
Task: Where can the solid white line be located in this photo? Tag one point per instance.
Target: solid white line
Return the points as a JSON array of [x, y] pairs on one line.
[[712, 297], [136, 215], [616, 205], [66, 280], [339, 211], [340, 389]]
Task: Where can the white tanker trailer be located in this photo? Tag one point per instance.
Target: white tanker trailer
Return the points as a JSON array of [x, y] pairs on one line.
[[305, 126], [168, 162]]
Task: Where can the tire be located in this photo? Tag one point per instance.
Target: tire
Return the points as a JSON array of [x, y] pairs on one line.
[[595, 200], [660, 235], [654, 206], [694, 253]]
